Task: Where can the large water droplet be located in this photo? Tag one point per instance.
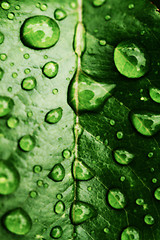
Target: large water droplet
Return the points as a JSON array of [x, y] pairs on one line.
[[131, 59], [66, 153], [91, 95], [18, 221], [6, 105], [28, 83], [155, 94], [9, 178], [123, 157], [147, 124], [98, 3], [81, 171], [27, 143], [157, 193], [148, 219], [59, 207], [116, 199], [12, 122], [57, 173], [50, 69], [56, 232], [60, 14], [40, 32], [130, 233], [54, 116], [81, 212], [5, 5]]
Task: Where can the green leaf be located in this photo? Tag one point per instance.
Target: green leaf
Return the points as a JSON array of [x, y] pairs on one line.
[[79, 114]]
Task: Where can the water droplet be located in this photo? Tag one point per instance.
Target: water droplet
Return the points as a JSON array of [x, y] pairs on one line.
[[139, 201], [106, 230], [57, 173], [5, 5], [30, 114], [157, 193], [122, 178], [27, 143], [81, 212], [3, 57], [155, 94], [17, 221], [37, 169], [112, 122], [11, 16], [39, 183], [40, 32], [91, 94], [26, 56], [131, 6], [107, 17], [43, 7], [1, 73], [12, 122], [55, 91], [27, 71], [119, 135], [102, 42], [79, 43], [28, 83], [9, 178], [6, 105], [147, 124], [46, 185], [131, 59], [130, 233], [56, 232], [66, 153], [116, 199], [59, 207], [78, 130], [81, 171], [50, 69], [59, 196], [14, 75], [60, 14], [54, 116], [33, 194], [1, 38], [154, 180], [17, 7], [9, 89], [148, 219], [106, 142], [123, 157], [98, 3], [150, 154]]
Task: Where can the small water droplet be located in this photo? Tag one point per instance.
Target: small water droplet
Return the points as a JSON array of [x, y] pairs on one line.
[[26, 56], [54, 116], [66, 153], [73, 5], [55, 91], [37, 169], [3, 56], [116, 199], [27, 143], [155, 94], [102, 42], [81, 171], [17, 7], [17, 221], [57, 173], [98, 3], [154, 180], [130, 233], [106, 230], [157, 193], [119, 135], [1, 38], [139, 201], [131, 59], [27, 71], [43, 7], [123, 157], [147, 124], [33, 194], [39, 32], [81, 212], [112, 122], [89, 188], [39, 183], [12, 122], [59, 196], [28, 83], [122, 178], [60, 14], [106, 142], [9, 89], [5, 5], [148, 219], [14, 75], [9, 178], [29, 114], [11, 16], [107, 17], [6, 105], [50, 69], [150, 154], [59, 207], [46, 185], [131, 6], [56, 232]]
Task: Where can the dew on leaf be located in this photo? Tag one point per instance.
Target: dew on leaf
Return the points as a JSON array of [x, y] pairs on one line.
[[17, 7], [43, 7], [5, 5], [39, 183], [123, 157], [39, 32], [18, 221], [60, 14], [112, 122], [150, 154], [28, 83], [139, 201], [27, 71], [29, 114], [106, 142], [106, 230], [66, 153], [57, 173], [98, 3], [46, 185], [131, 59], [14, 75], [147, 124], [3, 56], [50, 69], [6, 105], [102, 42], [155, 94], [1, 73], [89, 188], [79, 43], [157, 193], [59, 207], [56, 232], [81, 171], [131, 6], [26, 56], [154, 180], [148, 219], [11, 16], [119, 135], [91, 94], [130, 233], [107, 17], [9, 178], [12, 122], [55, 91], [9, 89], [81, 212], [33, 194], [1, 38], [37, 169], [59, 196], [73, 5], [122, 178], [54, 116], [116, 198], [27, 143]]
